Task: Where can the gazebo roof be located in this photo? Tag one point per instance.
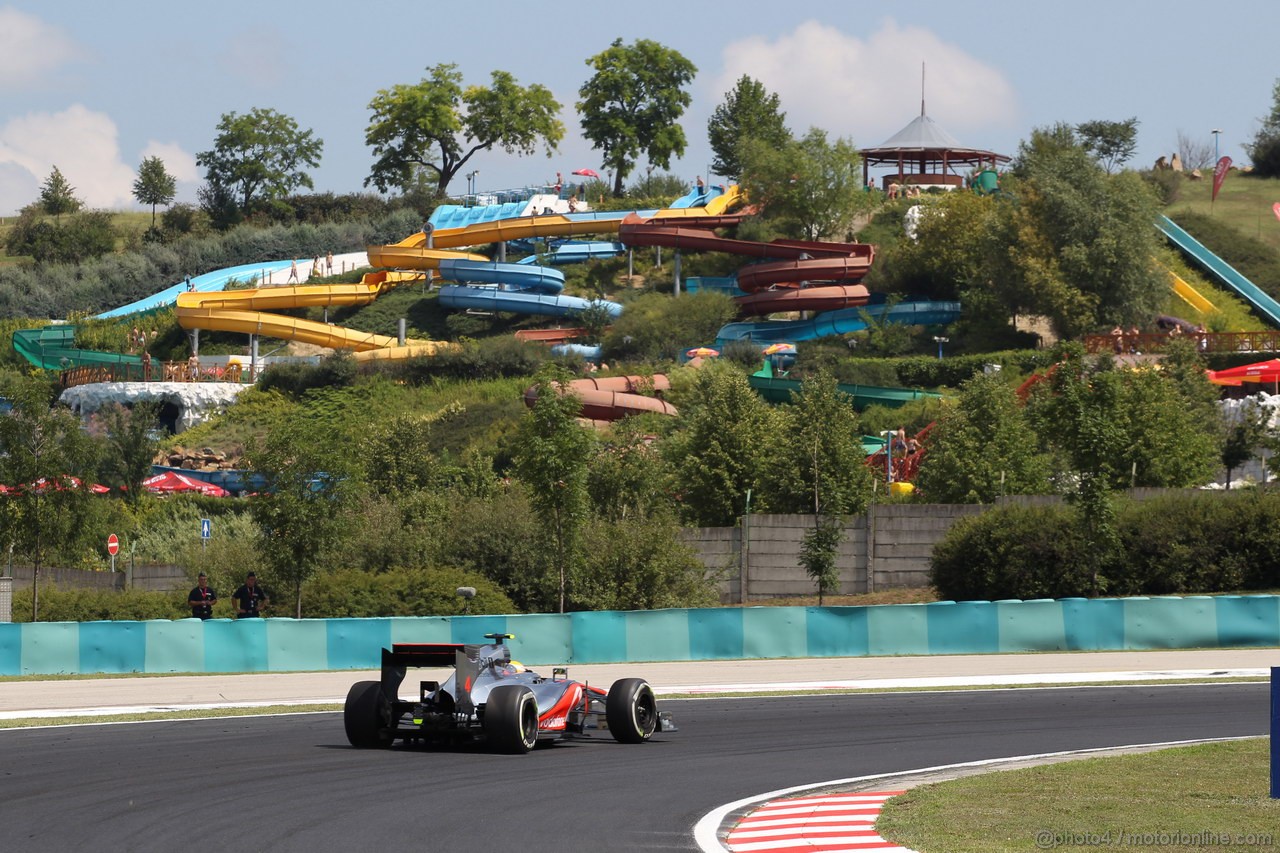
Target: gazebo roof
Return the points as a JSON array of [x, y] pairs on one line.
[[924, 141]]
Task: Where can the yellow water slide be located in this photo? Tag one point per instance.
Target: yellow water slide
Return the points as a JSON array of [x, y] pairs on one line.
[[1189, 294], [246, 312]]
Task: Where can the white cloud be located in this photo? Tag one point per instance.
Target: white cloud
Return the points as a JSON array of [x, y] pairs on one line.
[[29, 48], [177, 161], [869, 88], [83, 145]]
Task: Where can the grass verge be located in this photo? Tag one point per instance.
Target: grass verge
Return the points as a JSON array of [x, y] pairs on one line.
[[1203, 797]]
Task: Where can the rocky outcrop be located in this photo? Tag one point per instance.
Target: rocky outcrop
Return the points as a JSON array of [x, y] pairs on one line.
[[184, 404]]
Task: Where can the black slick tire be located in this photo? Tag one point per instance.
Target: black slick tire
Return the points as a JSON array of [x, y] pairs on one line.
[[631, 710], [511, 719], [366, 716]]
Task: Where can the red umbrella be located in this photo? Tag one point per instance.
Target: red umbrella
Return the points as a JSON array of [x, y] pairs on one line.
[[586, 173]]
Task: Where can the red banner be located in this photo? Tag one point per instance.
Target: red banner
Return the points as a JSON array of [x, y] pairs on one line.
[[1220, 175], [1275, 208]]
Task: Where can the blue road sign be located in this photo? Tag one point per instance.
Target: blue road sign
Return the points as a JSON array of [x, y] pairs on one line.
[[206, 528]]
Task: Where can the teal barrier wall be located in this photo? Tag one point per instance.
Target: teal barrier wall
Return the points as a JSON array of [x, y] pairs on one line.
[[721, 633]]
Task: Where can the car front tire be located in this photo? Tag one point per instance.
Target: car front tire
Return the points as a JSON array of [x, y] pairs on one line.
[[631, 710]]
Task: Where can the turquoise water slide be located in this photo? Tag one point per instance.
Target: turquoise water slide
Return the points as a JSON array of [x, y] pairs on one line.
[[840, 322], [1221, 271]]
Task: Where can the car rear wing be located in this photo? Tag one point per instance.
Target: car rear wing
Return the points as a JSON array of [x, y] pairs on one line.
[[402, 656]]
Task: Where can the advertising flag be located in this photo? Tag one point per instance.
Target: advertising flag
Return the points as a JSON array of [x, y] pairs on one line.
[[1275, 208], [1220, 175]]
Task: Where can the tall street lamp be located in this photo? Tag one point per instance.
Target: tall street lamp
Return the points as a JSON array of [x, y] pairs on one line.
[[1216, 133], [940, 341], [471, 182]]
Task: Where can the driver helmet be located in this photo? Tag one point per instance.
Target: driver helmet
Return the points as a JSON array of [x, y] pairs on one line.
[[515, 666]]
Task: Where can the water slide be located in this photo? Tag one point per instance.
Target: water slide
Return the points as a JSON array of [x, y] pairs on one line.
[[614, 397], [246, 312], [524, 288], [840, 322], [53, 348], [1189, 294], [1220, 271]]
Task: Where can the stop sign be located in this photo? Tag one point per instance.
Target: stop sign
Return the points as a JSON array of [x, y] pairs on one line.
[[113, 544]]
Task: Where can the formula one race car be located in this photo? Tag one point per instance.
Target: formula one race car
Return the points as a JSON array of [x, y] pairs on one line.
[[492, 698]]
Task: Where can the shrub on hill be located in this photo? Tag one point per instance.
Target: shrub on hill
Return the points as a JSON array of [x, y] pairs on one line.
[[1254, 259], [56, 290]]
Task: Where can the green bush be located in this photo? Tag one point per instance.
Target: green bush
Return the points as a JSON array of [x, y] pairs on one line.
[[401, 592], [1178, 544], [90, 605], [1012, 552]]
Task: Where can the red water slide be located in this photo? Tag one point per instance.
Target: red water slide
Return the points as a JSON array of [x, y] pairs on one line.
[[790, 262], [615, 397]]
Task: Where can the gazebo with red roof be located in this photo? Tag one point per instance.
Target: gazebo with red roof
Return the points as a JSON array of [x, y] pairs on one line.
[[926, 155]]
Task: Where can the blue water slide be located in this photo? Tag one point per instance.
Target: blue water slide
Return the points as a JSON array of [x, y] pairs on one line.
[[520, 302], [697, 198], [1221, 271], [577, 251], [721, 284], [457, 216], [539, 279], [209, 282], [840, 322]]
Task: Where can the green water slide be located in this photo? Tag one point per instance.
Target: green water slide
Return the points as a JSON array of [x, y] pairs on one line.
[[53, 348], [778, 390]]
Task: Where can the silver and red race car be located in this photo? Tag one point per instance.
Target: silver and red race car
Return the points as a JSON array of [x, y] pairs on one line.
[[492, 698]]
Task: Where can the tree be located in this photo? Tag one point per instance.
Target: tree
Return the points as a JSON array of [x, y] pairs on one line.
[[310, 482], [1264, 150], [749, 111], [722, 448], [1079, 245], [57, 196], [154, 185], [819, 467], [810, 185], [1078, 414], [437, 126], [983, 447], [1194, 153], [552, 462], [1111, 142], [41, 449], [259, 156], [818, 551], [1244, 434], [632, 102], [131, 445]]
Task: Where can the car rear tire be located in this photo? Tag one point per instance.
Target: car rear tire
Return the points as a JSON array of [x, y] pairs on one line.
[[511, 718], [367, 715], [631, 710]]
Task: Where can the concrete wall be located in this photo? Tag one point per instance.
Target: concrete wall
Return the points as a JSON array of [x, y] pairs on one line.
[[160, 578], [889, 547]]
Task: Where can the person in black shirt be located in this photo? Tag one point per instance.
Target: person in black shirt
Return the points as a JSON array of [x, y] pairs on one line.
[[202, 598], [250, 598]]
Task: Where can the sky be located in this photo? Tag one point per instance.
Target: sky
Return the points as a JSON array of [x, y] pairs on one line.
[[95, 89]]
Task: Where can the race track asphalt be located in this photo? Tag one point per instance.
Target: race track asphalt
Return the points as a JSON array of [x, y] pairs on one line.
[[292, 783]]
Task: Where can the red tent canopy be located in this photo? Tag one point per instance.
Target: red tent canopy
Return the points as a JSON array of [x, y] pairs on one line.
[[1260, 371], [170, 482]]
